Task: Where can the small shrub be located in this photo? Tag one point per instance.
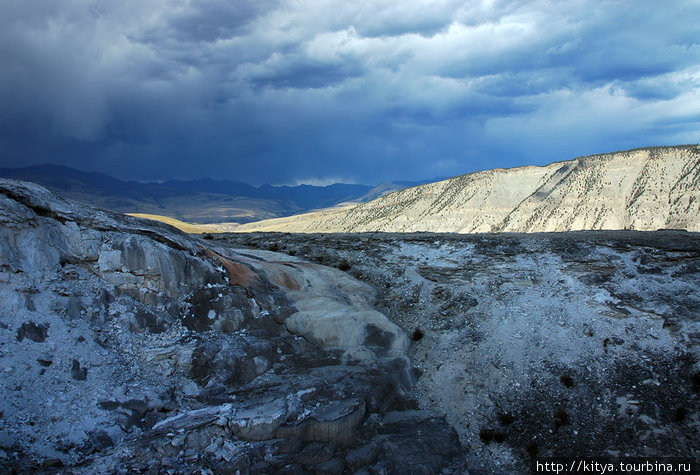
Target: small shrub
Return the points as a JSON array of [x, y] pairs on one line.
[[532, 450], [344, 265], [506, 418], [561, 418], [695, 380], [679, 414], [488, 435], [567, 380]]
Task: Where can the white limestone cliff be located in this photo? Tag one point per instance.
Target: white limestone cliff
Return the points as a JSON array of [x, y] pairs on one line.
[[644, 189]]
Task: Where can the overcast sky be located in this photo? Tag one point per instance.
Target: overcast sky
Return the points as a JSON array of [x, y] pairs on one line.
[[316, 91]]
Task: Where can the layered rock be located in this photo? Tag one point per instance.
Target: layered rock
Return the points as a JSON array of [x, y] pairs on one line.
[[127, 345], [644, 189], [580, 344]]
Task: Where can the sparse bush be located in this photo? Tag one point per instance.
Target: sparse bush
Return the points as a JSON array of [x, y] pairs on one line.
[[344, 265], [567, 380], [417, 334], [561, 418], [506, 418], [488, 435]]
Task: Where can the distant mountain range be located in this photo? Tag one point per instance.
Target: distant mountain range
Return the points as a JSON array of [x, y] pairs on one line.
[[196, 201], [642, 189]]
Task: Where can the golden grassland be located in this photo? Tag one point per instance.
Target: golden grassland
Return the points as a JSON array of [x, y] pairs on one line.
[[188, 227]]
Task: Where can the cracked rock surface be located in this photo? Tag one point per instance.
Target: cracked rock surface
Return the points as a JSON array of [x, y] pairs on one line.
[[538, 345], [127, 346]]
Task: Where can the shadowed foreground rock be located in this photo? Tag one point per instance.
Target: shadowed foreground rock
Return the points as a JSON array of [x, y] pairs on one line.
[[126, 346]]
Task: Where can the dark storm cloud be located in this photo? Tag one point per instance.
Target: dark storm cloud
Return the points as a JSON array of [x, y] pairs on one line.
[[287, 90], [211, 20], [300, 72]]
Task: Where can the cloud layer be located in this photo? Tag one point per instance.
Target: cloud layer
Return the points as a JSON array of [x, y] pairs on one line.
[[283, 91]]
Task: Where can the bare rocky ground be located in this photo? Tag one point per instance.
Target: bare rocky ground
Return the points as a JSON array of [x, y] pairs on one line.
[[129, 347], [534, 345]]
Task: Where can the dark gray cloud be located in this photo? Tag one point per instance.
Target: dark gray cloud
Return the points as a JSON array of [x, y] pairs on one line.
[[283, 91], [212, 20]]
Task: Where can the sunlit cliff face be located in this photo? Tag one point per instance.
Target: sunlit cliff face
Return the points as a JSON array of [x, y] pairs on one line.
[[646, 189]]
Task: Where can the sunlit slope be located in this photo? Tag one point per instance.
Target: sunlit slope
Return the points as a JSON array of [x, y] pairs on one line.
[[643, 189], [187, 227]]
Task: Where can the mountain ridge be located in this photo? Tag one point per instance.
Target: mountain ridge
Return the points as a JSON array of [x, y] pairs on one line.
[[204, 200], [645, 189]]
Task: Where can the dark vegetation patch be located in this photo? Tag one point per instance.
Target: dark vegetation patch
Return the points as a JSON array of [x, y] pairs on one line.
[[561, 418], [695, 380], [567, 380], [506, 418], [344, 265], [532, 450], [417, 335], [680, 413], [489, 435]]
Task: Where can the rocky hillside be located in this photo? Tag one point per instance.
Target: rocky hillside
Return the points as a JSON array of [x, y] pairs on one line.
[[127, 346], [644, 189]]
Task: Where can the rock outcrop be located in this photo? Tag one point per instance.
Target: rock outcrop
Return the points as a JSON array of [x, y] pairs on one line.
[[580, 344], [126, 345], [644, 189]]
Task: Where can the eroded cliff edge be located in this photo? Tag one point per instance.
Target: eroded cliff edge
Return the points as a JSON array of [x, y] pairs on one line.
[[126, 345]]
